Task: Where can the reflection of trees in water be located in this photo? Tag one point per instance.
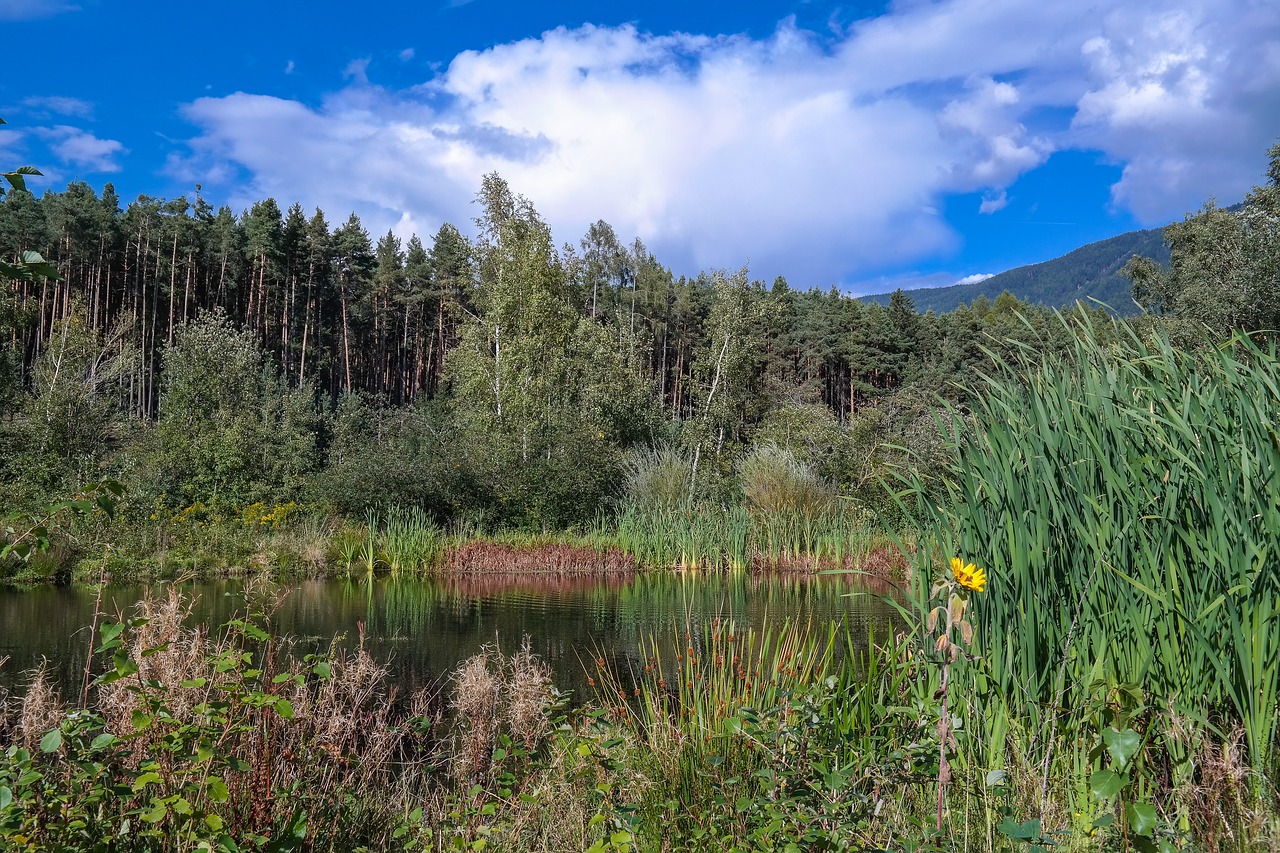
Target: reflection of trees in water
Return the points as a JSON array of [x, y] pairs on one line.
[[424, 628]]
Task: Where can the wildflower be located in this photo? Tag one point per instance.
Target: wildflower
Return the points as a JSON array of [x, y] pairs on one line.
[[968, 576]]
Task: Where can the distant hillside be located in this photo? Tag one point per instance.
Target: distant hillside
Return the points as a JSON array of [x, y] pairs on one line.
[[1092, 271]]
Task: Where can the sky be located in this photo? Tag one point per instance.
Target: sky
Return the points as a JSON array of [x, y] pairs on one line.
[[865, 145]]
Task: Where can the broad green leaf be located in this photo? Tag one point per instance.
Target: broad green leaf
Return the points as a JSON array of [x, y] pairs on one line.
[[1121, 745], [52, 741], [1105, 784], [1142, 818], [218, 792], [149, 778]]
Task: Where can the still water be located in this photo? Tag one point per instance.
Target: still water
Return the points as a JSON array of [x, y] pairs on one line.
[[424, 628]]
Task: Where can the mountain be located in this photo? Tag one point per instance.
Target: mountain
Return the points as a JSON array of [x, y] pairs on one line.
[[1091, 271]]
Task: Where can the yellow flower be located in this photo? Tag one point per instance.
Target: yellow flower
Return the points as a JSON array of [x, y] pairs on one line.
[[968, 576]]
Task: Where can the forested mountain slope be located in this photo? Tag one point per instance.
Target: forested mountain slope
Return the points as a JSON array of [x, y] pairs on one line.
[[1089, 272]]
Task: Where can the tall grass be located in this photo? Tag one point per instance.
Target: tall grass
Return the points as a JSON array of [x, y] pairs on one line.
[[1125, 504], [733, 538], [411, 541]]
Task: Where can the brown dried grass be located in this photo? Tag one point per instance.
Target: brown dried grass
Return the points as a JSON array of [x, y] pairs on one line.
[[553, 558], [40, 710], [494, 694]]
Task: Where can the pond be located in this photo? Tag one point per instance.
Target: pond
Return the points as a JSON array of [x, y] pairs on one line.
[[423, 628]]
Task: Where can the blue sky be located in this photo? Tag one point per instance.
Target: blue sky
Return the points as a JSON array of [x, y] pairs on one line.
[[866, 145]]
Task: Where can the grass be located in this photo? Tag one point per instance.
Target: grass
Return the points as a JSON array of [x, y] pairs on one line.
[[796, 735], [1123, 504]]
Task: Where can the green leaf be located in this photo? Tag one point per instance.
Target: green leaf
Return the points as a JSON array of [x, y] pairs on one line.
[[284, 708], [6, 797], [218, 792], [110, 630], [149, 778], [1105, 784], [213, 822], [52, 741], [102, 741], [1142, 818], [1021, 831], [996, 777], [1121, 745], [123, 664]]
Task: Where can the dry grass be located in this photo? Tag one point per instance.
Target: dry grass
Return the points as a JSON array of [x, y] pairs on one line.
[[496, 694], [39, 711], [551, 558], [477, 690]]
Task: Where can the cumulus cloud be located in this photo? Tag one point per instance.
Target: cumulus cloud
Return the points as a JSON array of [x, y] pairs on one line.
[[1186, 97], [822, 157], [81, 149], [976, 278]]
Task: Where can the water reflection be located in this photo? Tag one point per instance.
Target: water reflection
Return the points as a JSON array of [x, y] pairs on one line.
[[424, 628]]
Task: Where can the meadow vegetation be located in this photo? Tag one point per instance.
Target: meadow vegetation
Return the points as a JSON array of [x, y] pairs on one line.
[[1082, 510]]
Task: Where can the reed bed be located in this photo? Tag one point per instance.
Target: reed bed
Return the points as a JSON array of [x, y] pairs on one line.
[[552, 558], [1124, 504], [740, 539]]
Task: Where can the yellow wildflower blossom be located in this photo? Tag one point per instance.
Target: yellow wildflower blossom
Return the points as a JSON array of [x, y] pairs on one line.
[[968, 576]]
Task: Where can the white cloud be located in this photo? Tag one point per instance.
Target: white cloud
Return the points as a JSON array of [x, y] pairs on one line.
[[290, 67], [9, 143], [976, 278], [406, 54], [81, 149], [22, 10], [1188, 98], [993, 201], [54, 104], [357, 70], [823, 160]]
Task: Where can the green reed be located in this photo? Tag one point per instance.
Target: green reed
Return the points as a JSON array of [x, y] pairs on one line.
[[1124, 504], [411, 540], [734, 538]]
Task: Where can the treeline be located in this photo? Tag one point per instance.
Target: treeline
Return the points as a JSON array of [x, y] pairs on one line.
[[349, 315], [225, 357]]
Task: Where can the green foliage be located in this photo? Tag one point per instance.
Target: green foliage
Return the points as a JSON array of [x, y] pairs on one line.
[[658, 478], [776, 483], [1118, 502], [25, 535], [197, 744], [229, 432], [543, 398], [1224, 268]]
